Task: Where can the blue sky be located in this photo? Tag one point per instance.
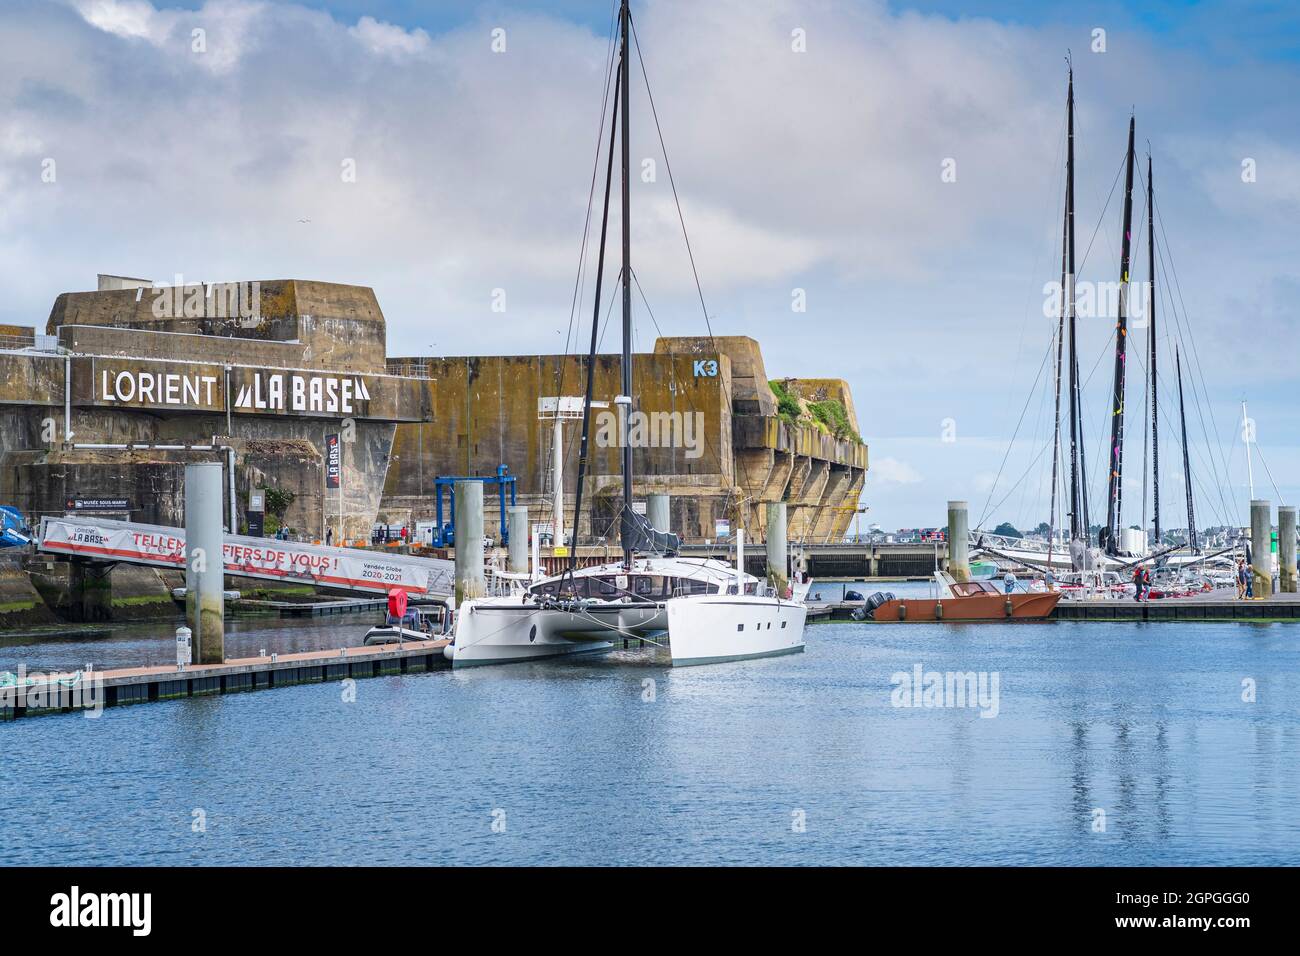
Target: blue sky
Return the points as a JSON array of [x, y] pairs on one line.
[[817, 171]]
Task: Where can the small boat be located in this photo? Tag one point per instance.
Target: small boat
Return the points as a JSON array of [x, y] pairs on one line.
[[964, 601], [431, 627]]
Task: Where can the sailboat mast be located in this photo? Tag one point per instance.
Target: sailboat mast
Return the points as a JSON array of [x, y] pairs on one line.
[[625, 398], [1151, 339], [1187, 466], [595, 339], [1060, 349], [1078, 519], [1115, 489]]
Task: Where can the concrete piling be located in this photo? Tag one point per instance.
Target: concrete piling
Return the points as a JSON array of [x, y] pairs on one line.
[[1286, 564], [205, 561], [517, 527], [469, 541], [1261, 552], [778, 556], [958, 541], [656, 512]]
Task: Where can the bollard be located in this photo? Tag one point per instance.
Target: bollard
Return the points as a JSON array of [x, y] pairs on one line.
[[777, 553], [204, 561], [1261, 551], [1286, 563], [469, 541], [184, 647], [517, 529], [958, 541]]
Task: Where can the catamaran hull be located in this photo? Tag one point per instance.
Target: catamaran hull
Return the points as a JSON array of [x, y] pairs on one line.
[[504, 633], [711, 629]]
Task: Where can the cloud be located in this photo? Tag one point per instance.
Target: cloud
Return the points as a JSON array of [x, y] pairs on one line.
[[891, 471], [126, 18], [385, 39], [818, 170]]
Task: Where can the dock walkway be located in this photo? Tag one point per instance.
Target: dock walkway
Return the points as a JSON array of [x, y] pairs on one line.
[[54, 693]]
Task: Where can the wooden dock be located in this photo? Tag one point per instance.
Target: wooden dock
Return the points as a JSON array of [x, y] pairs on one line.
[[55, 693], [1211, 607]]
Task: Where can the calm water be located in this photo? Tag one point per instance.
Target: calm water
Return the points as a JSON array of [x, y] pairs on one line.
[[1145, 722]]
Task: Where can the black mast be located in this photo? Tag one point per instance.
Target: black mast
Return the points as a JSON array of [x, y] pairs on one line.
[[626, 395], [1115, 489], [1187, 467], [1060, 348], [1076, 419], [1151, 338]]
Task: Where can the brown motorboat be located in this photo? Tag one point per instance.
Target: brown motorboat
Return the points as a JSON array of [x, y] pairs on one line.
[[964, 601]]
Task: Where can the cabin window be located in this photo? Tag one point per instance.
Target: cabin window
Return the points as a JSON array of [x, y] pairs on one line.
[[740, 627], [783, 625], [603, 588]]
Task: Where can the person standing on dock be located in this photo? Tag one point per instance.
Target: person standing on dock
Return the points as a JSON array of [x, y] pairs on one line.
[[1243, 580]]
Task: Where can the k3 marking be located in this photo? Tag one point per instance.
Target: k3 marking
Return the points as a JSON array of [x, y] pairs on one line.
[[706, 368]]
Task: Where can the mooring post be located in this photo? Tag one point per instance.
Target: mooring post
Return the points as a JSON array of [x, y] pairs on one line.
[[778, 555], [1286, 548], [205, 565], [517, 526], [958, 541], [469, 541], [656, 512], [1261, 551]]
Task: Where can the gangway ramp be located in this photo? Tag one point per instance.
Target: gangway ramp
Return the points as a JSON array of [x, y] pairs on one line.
[[351, 569]]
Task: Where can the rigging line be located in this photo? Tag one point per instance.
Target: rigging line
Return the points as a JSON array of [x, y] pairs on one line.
[[1165, 247], [1168, 407], [668, 166], [580, 280], [1276, 490], [673, 363], [1032, 463], [1011, 444], [1101, 219], [1201, 399]]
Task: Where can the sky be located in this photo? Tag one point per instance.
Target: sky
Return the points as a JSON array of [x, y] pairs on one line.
[[897, 167]]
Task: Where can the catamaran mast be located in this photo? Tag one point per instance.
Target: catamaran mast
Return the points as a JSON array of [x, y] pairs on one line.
[[625, 398], [1151, 339], [1115, 488], [1187, 466], [595, 334]]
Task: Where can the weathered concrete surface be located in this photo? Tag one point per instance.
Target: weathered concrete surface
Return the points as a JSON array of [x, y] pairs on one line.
[[311, 342], [21, 605], [339, 326]]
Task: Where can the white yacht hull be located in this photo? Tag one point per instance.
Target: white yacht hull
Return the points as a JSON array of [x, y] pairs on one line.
[[501, 632], [712, 628]]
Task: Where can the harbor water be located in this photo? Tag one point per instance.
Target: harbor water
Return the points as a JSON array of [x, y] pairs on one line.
[[1125, 744]]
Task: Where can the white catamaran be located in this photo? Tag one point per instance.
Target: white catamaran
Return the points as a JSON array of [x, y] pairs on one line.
[[709, 610]]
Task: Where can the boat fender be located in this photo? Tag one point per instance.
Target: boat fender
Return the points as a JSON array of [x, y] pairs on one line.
[[902, 612], [1007, 605], [938, 610], [449, 652]]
